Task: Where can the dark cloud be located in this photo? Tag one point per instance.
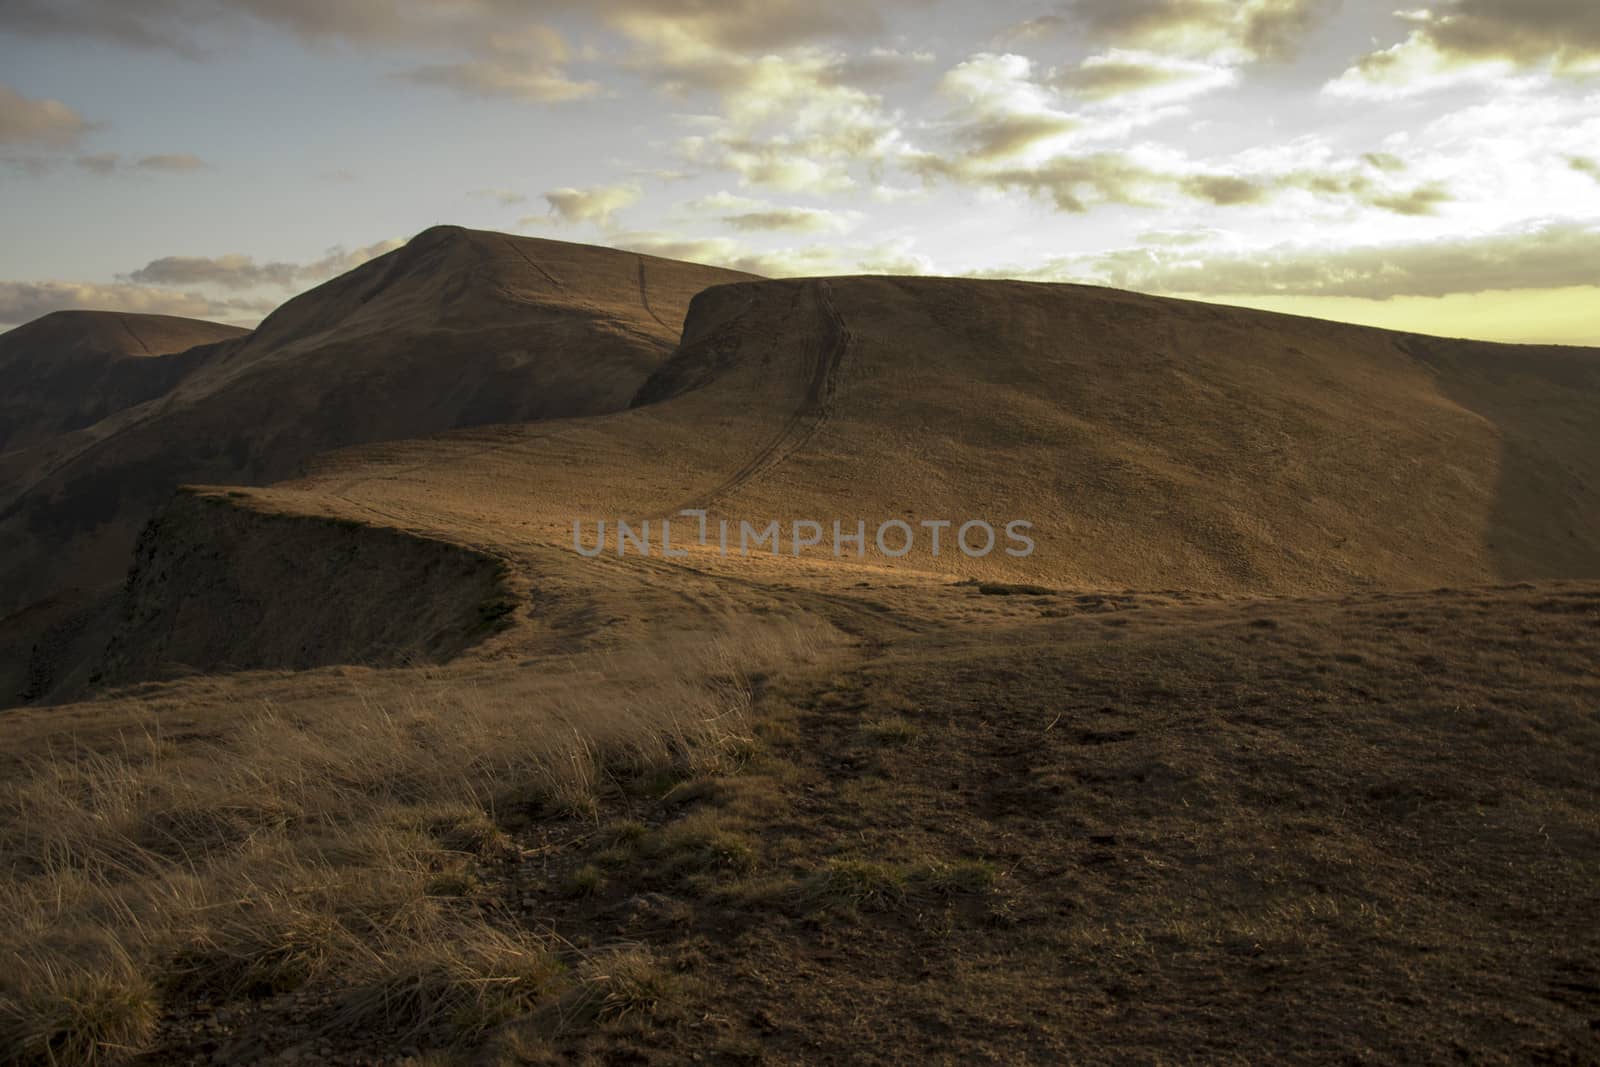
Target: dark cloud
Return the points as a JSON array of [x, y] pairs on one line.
[[486, 25], [171, 163], [240, 272], [1526, 31], [1563, 35], [1419, 201], [794, 219], [25, 120], [1224, 190], [98, 162], [1262, 28], [999, 136], [1115, 79], [1034, 29], [1076, 184], [493, 77]]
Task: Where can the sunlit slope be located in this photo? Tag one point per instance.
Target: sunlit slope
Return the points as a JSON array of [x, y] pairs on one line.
[[1152, 443]]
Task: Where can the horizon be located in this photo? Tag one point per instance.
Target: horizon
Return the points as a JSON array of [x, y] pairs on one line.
[[1426, 171]]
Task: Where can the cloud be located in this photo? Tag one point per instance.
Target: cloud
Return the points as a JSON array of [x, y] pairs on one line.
[[679, 28], [503, 197], [596, 204], [887, 257], [1011, 132], [1028, 30], [105, 164], [172, 163], [789, 122], [240, 272], [1479, 40], [510, 50], [750, 216], [1001, 112], [98, 162], [1551, 255], [50, 123], [1149, 76], [25, 301], [498, 78], [1228, 30]]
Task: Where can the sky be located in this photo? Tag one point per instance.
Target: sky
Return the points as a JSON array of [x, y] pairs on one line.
[[1428, 169]]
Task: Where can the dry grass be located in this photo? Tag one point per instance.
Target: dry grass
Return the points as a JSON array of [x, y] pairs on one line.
[[299, 850]]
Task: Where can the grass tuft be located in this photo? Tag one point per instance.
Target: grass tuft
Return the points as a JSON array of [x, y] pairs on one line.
[[79, 1016], [453, 988]]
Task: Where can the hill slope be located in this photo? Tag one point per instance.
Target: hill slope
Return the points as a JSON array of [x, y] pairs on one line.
[[71, 369], [1152, 443], [458, 328]]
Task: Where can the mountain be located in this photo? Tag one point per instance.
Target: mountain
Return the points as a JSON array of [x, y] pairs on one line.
[[1152, 443], [70, 369], [1281, 739], [457, 328], [1148, 443]]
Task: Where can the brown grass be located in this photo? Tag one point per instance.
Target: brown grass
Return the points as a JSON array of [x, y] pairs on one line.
[[296, 850]]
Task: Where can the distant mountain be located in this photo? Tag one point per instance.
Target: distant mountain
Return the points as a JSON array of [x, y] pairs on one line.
[[457, 328], [70, 369]]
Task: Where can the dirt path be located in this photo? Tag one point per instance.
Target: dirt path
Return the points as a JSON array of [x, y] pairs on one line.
[[827, 346]]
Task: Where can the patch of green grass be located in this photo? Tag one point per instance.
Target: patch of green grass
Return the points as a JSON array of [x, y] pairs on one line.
[[1009, 589], [957, 878], [890, 730], [855, 884], [586, 881], [698, 844]]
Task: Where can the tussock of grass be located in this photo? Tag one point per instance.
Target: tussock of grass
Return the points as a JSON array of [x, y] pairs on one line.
[[332, 848], [256, 948], [452, 989], [73, 1015], [696, 844], [958, 878], [890, 730], [623, 983], [853, 884], [586, 881], [850, 884]]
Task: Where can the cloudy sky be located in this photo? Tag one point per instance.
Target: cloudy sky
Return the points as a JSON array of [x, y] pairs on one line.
[[1433, 169]]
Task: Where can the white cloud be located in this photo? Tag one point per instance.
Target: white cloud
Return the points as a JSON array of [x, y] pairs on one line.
[[596, 204]]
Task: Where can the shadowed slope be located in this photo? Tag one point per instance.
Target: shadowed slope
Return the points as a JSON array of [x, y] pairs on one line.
[[71, 369]]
